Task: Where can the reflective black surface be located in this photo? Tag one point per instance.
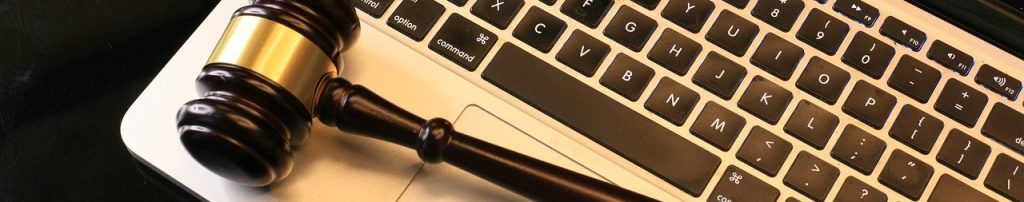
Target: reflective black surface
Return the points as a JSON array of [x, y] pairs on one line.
[[69, 70]]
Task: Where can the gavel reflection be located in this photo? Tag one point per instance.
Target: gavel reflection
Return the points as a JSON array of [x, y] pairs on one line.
[[276, 68]]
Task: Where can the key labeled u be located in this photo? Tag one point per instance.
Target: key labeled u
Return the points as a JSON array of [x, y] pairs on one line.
[[732, 32]]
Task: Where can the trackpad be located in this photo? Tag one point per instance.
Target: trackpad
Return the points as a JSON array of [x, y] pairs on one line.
[[444, 182]]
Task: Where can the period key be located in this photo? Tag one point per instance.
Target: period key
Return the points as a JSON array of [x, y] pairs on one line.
[[463, 42]]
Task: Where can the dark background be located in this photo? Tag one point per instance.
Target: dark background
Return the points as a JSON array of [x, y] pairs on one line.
[[69, 70]]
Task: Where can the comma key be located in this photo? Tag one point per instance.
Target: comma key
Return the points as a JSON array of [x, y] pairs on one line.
[[463, 42]]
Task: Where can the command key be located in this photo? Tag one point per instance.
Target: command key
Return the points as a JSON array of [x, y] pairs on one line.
[[463, 42]]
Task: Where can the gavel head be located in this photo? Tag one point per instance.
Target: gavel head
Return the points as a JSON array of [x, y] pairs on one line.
[[259, 88]]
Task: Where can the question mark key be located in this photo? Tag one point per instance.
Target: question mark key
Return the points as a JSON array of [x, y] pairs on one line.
[[856, 190]]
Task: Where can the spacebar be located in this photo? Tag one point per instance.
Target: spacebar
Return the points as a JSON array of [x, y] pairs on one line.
[[602, 119]]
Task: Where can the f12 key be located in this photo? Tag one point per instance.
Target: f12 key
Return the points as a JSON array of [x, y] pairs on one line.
[[903, 33], [998, 82]]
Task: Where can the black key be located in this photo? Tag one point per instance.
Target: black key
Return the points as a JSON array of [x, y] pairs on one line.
[[869, 55], [869, 104], [998, 82], [648, 4], [373, 8], [718, 126], [674, 51], [961, 102], [1006, 177], [627, 77], [950, 189], [906, 174], [738, 3], [595, 115], [812, 124], [823, 31], [779, 13], [672, 101], [737, 185], [916, 128], [777, 56], [821, 1], [498, 12], [583, 53], [765, 99], [415, 18], [689, 14], [719, 75], [588, 12], [903, 33], [858, 149], [458, 2], [732, 32], [857, 10], [963, 153], [630, 28], [951, 58], [1004, 125], [823, 80], [914, 78], [539, 29], [463, 42], [791, 199], [764, 151], [548, 2], [811, 176], [854, 190]]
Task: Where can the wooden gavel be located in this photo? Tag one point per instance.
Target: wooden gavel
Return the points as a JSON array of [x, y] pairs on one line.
[[276, 68]]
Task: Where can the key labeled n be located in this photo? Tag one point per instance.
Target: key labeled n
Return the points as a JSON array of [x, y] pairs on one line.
[[673, 99]]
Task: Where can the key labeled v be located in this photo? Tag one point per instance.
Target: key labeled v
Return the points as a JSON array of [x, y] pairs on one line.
[[584, 50]]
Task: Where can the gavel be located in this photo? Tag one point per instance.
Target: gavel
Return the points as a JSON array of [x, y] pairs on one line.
[[276, 68]]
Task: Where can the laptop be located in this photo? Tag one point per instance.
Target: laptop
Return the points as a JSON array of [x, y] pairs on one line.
[[679, 100]]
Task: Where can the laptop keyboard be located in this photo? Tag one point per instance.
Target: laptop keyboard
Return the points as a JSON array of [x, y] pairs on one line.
[[553, 88]]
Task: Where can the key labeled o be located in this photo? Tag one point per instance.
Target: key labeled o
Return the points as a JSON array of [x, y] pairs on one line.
[[824, 79]]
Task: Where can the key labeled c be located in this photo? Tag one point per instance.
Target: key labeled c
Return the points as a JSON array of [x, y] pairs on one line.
[[538, 27]]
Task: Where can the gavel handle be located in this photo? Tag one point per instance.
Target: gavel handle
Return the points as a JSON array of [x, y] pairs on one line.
[[355, 108]]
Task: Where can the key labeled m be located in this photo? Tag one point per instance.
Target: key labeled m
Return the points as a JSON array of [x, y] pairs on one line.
[[719, 125]]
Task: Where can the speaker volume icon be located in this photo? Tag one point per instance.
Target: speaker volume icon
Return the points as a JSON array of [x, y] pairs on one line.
[[999, 80]]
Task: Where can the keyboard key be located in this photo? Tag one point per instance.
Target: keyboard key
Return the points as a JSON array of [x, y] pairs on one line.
[[906, 174], [604, 120], [811, 176], [854, 190], [588, 12], [732, 32], [689, 14], [812, 124], [823, 31], [869, 55], [738, 3], [777, 56], [823, 80], [539, 29], [764, 151], [914, 78], [648, 4], [373, 8], [627, 77], [463, 42], [903, 33], [998, 82], [718, 126], [869, 104], [415, 18], [737, 185], [719, 75], [950, 189], [672, 101], [779, 13], [1005, 178], [961, 102], [963, 153], [583, 53], [916, 128], [858, 149], [791, 199], [765, 99], [497, 12], [951, 58], [857, 10], [630, 28], [674, 51], [1004, 125]]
